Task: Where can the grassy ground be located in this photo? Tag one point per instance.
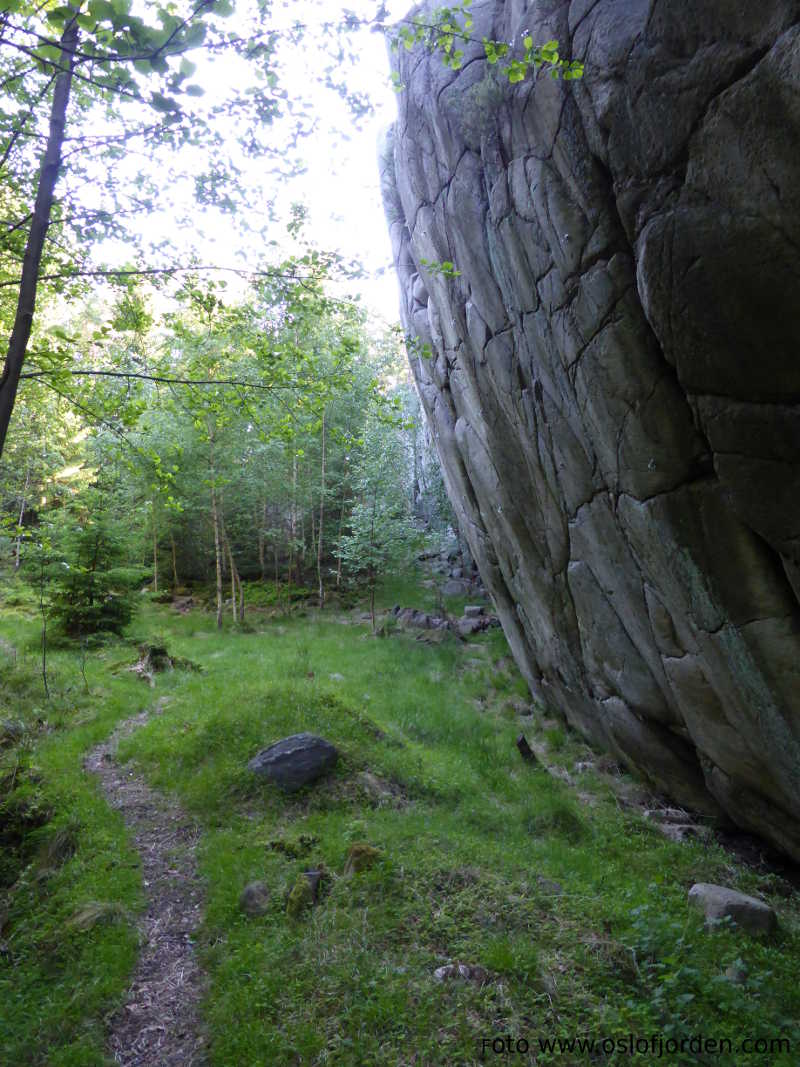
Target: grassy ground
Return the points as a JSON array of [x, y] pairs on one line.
[[575, 907]]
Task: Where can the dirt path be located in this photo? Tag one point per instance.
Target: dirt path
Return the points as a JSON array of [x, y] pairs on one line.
[[159, 1024]]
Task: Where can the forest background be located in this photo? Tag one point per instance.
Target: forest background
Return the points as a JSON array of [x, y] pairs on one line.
[[199, 394]]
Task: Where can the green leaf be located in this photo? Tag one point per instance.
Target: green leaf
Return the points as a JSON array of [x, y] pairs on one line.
[[163, 103]]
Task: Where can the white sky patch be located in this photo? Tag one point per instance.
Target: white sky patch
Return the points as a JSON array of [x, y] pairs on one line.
[[339, 188]]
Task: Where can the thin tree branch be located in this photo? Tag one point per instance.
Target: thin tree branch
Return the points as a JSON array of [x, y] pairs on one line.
[[150, 271], [152, 378]]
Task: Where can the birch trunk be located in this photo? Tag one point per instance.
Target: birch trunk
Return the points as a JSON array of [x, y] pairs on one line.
[[215, 519], [175, 582], [155, 549], [234, 576], [22, 503], [321, 518]]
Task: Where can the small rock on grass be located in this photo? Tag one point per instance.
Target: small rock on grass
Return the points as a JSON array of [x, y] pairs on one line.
[[467, 972], [468, 626], [547, 885], [716, 902], [254, 900]]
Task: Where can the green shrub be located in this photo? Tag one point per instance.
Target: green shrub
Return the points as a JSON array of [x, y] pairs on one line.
[[90, 590]]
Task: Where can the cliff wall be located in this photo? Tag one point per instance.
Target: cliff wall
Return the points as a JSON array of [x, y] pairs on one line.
[[614, 377]]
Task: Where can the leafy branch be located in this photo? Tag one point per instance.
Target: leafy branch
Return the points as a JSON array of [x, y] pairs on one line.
[[447, 27]]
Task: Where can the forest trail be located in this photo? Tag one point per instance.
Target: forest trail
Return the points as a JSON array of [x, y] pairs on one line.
[[159, 1021]]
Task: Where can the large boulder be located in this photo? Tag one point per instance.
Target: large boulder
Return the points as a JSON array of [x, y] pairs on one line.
[[295, 761], [613, 380]]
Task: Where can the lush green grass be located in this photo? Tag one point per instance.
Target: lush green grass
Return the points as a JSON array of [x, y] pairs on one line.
[[471, 840]]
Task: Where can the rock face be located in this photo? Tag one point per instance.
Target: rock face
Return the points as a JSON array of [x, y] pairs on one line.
[[613, 380], [295, 761]]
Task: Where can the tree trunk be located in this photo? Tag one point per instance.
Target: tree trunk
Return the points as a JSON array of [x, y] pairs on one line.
[[415, 494], [23, 501], [341, 525], [234, 576], [292, 521], [175, 582], [215, 519], [43, 206], [155, 549], [43, 611], [372, 563], [301, 555], [321, 518], [313, 533], [261, 541]]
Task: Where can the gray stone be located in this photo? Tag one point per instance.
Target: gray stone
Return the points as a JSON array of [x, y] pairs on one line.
[[548, 885], [254, 900], [609, 389], [295, 761], [466, 627], [314, 877], [473, 611], [415, 618], [11, 732], [680, 832], [716, 902], [465, 972], [455, 587]]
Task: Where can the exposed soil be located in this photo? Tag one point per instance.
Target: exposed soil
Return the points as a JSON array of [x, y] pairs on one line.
[[159, 1024]]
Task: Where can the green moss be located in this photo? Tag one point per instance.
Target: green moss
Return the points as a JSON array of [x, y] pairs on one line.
[[360, 857], [300, 899]]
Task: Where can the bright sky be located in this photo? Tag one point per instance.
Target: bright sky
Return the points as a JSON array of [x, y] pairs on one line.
[[340, 186]]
